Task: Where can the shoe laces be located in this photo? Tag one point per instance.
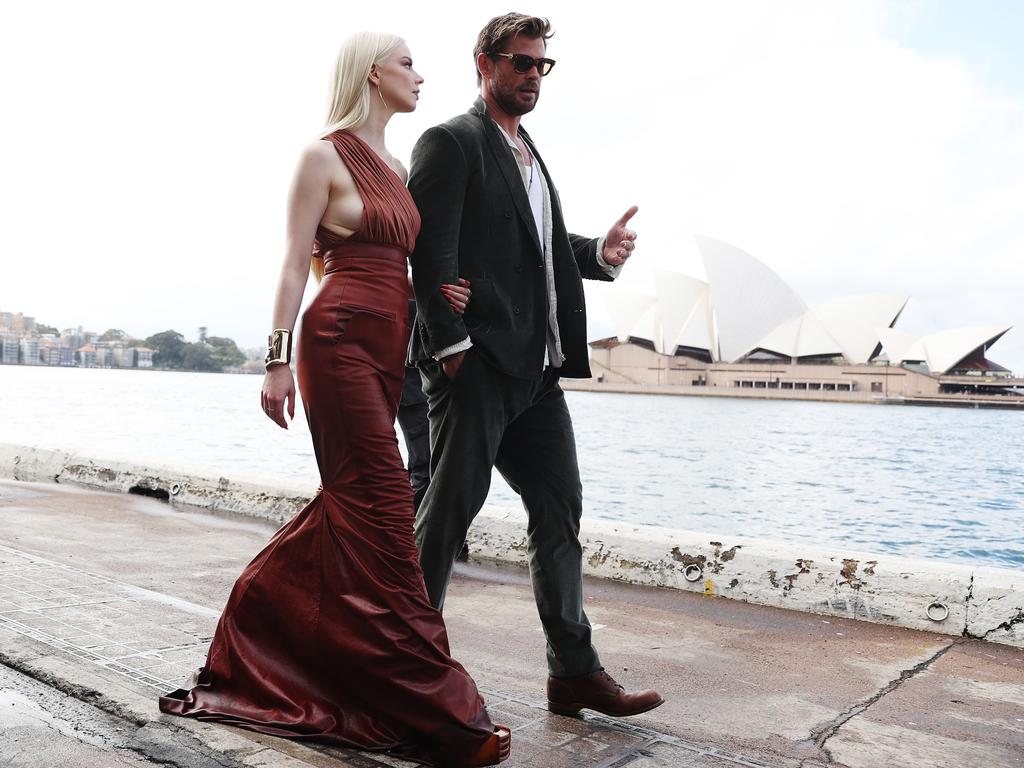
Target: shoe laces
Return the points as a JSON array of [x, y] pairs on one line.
[[611, 680]]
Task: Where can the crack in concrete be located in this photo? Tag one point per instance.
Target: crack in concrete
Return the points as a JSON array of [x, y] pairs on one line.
[[204, 755], [820, 736], [150, 758], [86, 695], [136, 743], [814, 762], [968, 602], [1007, 625]]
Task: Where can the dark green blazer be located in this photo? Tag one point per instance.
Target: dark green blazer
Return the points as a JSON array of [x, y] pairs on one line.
[[477, 224]]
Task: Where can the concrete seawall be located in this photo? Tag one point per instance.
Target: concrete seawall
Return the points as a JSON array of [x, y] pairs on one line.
[[978, 602]]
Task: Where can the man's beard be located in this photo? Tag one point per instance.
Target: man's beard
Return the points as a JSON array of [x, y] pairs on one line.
[[510, 104]]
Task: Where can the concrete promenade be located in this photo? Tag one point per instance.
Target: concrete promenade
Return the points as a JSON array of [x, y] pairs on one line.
[[107, 599], [933, 595]]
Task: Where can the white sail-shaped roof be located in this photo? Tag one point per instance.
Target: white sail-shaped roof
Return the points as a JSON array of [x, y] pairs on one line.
[[947, 348], [801, 336], [635, 314], [699, 330], [900, 346], [626, 308], [853, 321], [685, 312], [745, 306], [749, 299], [939, 351]]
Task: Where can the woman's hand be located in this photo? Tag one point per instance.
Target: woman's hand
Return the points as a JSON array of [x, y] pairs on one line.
[[457, 295], [278, 392]]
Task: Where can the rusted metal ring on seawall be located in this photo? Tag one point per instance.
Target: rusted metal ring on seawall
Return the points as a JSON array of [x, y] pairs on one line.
[[693, 572]]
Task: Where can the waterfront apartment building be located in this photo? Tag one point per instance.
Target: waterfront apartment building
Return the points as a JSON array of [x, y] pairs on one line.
[[29, 351], [86, 356], [72, 337], [104, 356], [10, 349], [52, 353], [22, 344], [49, 354], [17, 323]]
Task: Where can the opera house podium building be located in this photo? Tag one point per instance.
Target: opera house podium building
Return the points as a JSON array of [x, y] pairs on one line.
[[746, 333]]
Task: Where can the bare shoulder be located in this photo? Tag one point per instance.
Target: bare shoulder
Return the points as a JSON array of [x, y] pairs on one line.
[[320, 160], [319, 153]]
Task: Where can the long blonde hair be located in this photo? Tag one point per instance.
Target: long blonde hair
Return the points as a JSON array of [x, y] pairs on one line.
[[350, 90]]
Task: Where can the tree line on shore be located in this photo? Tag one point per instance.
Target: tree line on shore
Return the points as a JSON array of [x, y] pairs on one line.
[[210, 353], [171, 351]]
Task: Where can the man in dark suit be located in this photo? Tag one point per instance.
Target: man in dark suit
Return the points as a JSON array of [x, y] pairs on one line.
[[491, 214]]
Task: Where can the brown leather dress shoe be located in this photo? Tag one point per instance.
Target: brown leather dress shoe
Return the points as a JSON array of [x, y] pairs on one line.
[[598, 691]]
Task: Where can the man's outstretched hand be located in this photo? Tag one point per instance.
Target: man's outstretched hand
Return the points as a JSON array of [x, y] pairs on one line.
[[620, 241]]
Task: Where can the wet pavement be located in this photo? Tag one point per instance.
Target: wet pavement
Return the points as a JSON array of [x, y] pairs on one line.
[[107, 600]]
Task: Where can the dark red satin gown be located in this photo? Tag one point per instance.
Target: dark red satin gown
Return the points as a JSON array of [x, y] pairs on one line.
[[328, 634]]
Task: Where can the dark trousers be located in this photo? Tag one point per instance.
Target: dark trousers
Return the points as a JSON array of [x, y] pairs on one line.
[[412, 418], [486, 419]]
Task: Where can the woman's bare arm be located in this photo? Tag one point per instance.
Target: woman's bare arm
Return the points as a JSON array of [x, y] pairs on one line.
[[307, 201]]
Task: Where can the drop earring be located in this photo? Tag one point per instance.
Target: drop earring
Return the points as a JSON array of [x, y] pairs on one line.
[[381, 97]]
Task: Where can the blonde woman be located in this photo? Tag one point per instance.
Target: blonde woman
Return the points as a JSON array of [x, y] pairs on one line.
[[328, 634]]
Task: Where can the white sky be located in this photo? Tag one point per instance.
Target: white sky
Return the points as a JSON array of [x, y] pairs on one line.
[[146, 149]]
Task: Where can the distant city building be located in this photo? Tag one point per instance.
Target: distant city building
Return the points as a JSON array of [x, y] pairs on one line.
[[18, 323], [50, 354], [122, 356], [86, 356], [10, 349], [29, 351], [21, 343], [72, 337], [53, 352]]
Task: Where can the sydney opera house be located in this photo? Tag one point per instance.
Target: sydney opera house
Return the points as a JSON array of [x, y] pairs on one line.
[[746, 332]]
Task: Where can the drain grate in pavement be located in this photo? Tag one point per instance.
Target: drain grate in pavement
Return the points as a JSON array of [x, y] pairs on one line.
[[157, 641]]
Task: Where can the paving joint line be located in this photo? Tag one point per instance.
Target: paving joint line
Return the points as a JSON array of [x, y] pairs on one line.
[[650, 734], [114, 665]]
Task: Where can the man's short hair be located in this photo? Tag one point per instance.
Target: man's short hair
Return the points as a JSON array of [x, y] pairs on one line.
[[499, 30]]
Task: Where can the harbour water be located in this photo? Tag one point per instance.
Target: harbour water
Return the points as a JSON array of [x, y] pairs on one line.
[[920, 482]]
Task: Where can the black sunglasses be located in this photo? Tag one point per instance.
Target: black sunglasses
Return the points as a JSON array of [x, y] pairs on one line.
[[522, 63]]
